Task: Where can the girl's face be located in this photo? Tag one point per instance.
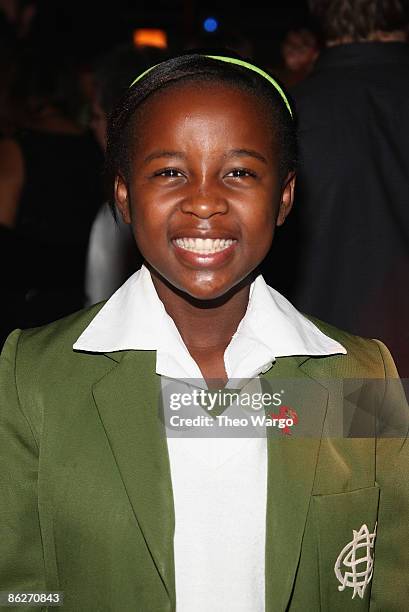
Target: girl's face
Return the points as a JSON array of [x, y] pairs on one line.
[[204, 193]]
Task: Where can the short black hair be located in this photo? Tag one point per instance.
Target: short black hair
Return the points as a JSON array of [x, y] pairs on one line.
[[188, 68], [358, 19]]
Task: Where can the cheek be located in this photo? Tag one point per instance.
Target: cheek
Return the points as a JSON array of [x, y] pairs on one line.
[[147, 217], [258, 224], [140, 224], [149, 227]]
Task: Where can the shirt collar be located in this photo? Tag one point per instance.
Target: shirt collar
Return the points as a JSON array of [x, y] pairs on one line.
[[272, 319], [134, 318], [131, 319]]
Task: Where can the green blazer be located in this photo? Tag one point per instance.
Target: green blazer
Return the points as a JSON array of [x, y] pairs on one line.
[[86, 501]]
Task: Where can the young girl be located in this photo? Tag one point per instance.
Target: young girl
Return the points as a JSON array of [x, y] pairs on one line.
[[96, 501]]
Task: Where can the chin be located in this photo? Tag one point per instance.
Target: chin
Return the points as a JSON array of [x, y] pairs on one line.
[[208, 289]]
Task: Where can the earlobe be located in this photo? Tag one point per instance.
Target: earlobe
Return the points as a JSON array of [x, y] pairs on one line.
[[287, 198], [121, 198]]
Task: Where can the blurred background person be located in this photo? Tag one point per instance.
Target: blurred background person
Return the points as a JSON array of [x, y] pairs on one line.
[[15, 22], [349, 235], [50, 191], [16, 18], [299, 51]]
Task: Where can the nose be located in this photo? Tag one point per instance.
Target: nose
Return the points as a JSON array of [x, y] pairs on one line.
[[204, 202]]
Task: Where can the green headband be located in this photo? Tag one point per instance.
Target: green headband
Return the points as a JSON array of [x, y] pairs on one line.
[[238, 62]]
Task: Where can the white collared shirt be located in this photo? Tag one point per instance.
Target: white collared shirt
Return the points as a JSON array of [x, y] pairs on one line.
[[134, 318], [219, 484]]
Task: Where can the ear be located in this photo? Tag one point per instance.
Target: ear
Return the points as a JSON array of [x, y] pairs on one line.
[[122, 198], [287, 198]]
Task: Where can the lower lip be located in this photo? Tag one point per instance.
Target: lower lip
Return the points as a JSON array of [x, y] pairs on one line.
[[202, 260]]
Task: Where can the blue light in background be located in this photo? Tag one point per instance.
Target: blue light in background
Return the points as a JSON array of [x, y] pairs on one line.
[[210, 24]]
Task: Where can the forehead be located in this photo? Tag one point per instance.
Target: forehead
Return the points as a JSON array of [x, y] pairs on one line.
[[199, 108], [206, 86]]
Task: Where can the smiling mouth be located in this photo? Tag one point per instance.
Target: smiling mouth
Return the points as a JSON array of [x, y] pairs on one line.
[[204, 246]]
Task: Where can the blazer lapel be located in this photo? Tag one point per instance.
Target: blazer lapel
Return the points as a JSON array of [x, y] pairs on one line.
[[128, 402], [292, 461]]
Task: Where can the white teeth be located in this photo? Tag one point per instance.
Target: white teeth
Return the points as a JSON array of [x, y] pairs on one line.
[[204, 246]]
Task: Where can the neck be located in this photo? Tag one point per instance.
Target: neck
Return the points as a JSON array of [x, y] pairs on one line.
[[204, 325], [377, 36]]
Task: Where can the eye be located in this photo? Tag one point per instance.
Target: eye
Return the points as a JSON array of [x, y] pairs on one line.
[[169, 172], [241, 173]]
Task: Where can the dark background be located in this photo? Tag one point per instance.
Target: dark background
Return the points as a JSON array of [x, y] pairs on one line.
[[85, 29]]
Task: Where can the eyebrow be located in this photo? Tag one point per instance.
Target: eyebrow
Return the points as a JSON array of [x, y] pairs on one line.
[[231, 153], [246, 153], [158, 154]]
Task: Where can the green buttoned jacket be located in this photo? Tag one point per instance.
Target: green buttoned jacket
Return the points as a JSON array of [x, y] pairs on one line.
[[86, 502]]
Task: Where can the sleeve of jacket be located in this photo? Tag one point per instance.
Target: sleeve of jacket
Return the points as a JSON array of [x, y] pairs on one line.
[[390, 587], [21, 552]]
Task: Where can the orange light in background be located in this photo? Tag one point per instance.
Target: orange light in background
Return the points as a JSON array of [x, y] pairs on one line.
[[143, 37]]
